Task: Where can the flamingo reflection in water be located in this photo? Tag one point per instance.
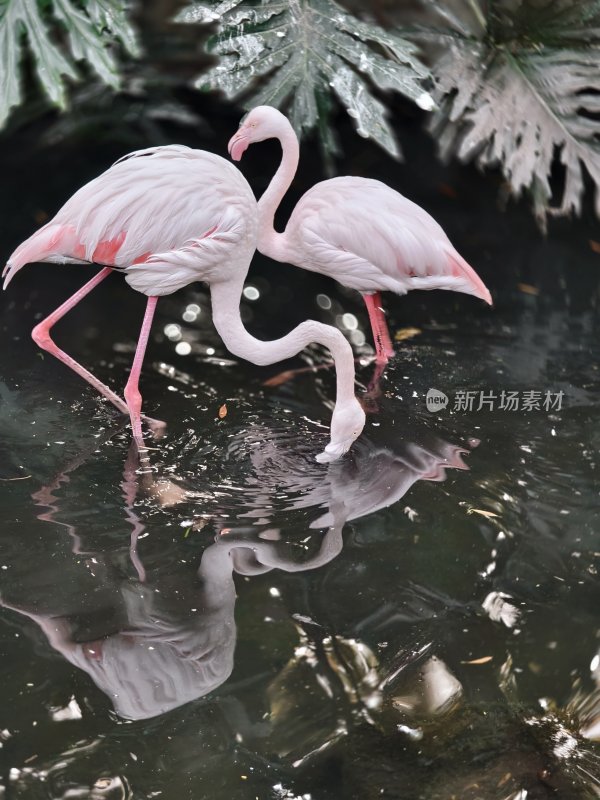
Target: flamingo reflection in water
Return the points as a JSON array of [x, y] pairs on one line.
[[158, 636]]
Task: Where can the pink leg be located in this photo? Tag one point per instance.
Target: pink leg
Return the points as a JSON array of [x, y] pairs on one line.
[[383, 344], [41, 336], [132, 392]]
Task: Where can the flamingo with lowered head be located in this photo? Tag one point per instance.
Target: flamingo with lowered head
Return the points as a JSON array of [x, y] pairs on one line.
[[356, 230], [167, 216]]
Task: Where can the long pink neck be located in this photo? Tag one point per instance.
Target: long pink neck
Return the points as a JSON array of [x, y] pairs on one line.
[[270, 242]]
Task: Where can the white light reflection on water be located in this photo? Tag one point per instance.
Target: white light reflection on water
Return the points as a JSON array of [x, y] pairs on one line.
[[251, 293], [173, 331], [349, 322], [183, 348]]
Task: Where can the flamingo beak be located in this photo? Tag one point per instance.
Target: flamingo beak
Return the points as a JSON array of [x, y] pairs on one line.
[[237, 145]]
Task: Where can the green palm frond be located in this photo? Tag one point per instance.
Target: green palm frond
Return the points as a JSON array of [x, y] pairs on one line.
[[88, 30], [523, 93], [294, 54]]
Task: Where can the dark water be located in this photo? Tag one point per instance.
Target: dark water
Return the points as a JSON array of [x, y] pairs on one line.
[[419, 620]]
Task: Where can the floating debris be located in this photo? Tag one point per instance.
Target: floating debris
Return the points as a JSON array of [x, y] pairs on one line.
[[527, 288], [482, 511], [406, 333]]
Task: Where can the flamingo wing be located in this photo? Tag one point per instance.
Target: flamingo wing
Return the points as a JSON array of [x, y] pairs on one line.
[[369, 237], [163, 215]]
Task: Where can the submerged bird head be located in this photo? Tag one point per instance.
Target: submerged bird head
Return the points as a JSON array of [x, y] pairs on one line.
[[263, 122], [347, 423]]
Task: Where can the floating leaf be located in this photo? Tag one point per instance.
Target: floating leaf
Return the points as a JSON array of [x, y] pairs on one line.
[[281, 378], [90, 30], [520, 90], [482, 512], [527, 288], [482, 660], [406, 333], [293, 53], [290, 374]]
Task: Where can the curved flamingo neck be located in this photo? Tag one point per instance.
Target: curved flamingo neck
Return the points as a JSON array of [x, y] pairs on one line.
[[348, 418], [225, 300], [270, 242]]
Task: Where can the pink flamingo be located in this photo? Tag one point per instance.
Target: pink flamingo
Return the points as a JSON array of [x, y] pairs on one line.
[[167, 216], [356, 230]]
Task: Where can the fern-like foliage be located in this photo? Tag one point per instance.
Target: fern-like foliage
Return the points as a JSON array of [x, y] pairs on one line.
[[293, 54], [519, 88], [86, 29]]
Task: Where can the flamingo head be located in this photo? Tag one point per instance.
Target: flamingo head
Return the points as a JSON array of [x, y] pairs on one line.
[[347, 423], [263, 122]]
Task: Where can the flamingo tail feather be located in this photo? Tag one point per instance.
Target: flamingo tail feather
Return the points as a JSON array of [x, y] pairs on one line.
[[38, 247], [461, 269]]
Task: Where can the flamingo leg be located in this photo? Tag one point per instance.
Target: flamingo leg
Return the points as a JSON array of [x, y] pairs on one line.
[[383, 344], [132, 392], [41, 336]]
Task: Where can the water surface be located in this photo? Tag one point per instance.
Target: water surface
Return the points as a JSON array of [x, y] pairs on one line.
[[419, 620]]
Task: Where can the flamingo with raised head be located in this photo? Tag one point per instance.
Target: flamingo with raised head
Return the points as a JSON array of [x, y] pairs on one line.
[[356, 230], [167, 216]]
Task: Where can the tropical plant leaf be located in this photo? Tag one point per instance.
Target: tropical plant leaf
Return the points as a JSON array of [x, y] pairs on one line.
[[524, 94], [294, 53], [110, 18], [90, 29]]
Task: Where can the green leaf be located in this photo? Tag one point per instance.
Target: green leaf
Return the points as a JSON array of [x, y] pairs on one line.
[[19, 18], [292, 54], [9, 47], [525, 97], [86, 43], [91, 28], [109, 17]]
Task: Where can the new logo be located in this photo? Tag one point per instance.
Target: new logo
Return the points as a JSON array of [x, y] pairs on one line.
[[435, 400]]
